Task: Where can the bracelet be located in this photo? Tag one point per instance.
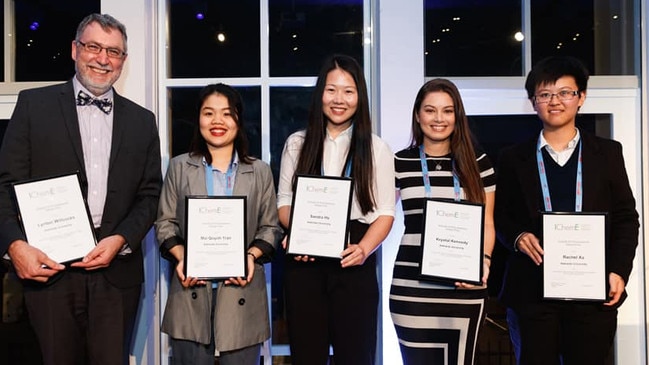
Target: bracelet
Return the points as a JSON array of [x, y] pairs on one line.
[[488, 257], [253, 255]]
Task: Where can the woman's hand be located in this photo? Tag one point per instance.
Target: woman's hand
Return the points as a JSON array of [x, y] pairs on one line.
[[186, 282], [178, 252], [251, 273], [353, 255], [486, 263], [303, 258]]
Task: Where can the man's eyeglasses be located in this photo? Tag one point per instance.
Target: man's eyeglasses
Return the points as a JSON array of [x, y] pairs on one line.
[[563, 95], [96, 49]]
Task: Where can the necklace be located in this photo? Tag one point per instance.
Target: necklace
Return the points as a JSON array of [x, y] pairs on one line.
[[438, 165], [426, 177]]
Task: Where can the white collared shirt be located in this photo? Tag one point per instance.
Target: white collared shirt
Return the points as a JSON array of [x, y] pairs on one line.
[[334, 158], [96, 129], [560, 157]]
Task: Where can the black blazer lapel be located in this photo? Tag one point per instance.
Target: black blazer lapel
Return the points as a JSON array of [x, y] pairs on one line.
[[71, 120], [528, 175], [120, 124], [591, 157]]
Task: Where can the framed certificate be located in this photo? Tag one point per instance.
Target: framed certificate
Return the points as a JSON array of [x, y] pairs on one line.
[[574, 260], [55, 217], [216, 237], [319, 222], [451, 242]]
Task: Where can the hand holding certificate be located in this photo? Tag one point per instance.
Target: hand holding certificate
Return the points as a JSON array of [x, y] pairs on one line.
[[216, 237], [319, 220], [452, 242], [574, 262], [55, 217]]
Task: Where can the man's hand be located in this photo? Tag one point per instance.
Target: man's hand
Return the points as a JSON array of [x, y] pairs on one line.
[[102, 255], [529, 244], [31, 263]]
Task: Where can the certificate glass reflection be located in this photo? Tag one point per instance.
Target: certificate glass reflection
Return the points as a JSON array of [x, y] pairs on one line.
[[451, 242], [574, 260], [55, 217], [216, 237], [319, 222]]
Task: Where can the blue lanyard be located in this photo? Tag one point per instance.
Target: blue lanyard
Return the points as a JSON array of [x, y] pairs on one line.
[[424, 171], [544, 180], [229, 178]]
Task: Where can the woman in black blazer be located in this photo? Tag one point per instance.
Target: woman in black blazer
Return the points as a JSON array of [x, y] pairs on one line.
[[568, 332]]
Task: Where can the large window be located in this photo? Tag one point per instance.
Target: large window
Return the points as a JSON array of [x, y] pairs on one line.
[[214, 38], [601, 33], [473, 38], [44, 31], [303, 32], [493, 38]]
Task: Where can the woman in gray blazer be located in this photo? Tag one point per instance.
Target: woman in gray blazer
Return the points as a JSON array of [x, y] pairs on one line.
[[230, 317]]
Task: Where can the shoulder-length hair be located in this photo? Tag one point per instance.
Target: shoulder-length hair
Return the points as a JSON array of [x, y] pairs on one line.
[[462, 150], [198, 145], [310, 160]]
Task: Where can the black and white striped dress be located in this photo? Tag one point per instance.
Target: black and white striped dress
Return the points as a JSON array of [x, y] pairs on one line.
[[436, 324]]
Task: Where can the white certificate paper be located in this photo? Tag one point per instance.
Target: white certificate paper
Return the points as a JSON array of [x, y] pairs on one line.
[[55, 217], [216, 237], [319, 220], [574, 260], [451, 241]]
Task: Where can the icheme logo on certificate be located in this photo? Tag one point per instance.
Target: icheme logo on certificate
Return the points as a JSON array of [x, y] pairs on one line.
[[319, 217], [574, 262]]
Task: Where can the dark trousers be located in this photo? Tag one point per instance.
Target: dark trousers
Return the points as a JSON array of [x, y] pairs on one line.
[[514, 333], [328, 305], [194, 353], [81, 318], [568, 333]]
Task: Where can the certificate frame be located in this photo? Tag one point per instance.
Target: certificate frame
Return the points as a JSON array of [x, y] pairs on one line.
[[574, 246], [215, 237], [452, 241], [55, 217], [319, 220]]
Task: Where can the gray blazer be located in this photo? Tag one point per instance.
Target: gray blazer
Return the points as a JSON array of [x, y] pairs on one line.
[[241, 314]]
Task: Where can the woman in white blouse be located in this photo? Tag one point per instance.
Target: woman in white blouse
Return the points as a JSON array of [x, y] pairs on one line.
[[334, 301]]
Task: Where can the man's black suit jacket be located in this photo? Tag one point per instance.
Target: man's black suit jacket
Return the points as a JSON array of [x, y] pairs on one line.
[[43, 139], [519, 203]]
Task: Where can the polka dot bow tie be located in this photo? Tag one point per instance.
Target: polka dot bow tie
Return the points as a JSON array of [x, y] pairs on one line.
[[104, 105]]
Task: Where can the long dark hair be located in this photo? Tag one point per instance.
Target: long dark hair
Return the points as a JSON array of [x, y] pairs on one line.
[[198, 145], [360, 149], [462, 150]]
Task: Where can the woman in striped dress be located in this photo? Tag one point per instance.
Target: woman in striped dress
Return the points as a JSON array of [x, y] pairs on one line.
[[438, 323]]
